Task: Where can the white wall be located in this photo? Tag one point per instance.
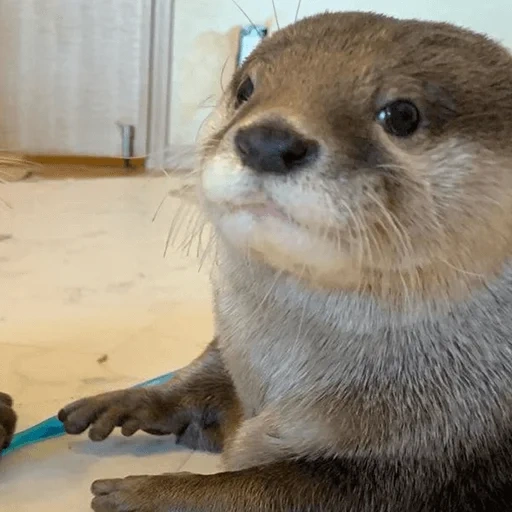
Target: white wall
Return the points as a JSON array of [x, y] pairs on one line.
[[205, 35]]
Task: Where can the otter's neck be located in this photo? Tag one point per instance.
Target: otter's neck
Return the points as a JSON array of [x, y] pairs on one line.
[[475, 333], [442, 373], [359, 311]]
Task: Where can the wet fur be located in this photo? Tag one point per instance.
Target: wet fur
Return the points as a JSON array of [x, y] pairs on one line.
[[375, 372]]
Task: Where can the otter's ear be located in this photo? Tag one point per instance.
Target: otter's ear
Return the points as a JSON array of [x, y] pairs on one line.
[[440, 104]]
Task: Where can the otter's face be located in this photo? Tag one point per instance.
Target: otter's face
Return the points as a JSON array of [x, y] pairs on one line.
[[354, 143]]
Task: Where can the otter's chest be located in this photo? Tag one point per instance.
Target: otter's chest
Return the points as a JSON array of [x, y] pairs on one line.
[[273, 353]]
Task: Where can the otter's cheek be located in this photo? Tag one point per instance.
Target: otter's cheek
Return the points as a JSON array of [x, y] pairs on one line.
[[225, 181]]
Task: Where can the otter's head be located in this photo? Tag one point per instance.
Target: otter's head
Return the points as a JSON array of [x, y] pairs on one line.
[[361, 151]]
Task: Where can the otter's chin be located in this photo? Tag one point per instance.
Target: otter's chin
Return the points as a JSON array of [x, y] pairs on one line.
[[280, 242]]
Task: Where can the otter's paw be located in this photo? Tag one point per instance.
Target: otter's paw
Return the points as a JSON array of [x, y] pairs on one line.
[[136, 493], [131, 409], [7, 421]]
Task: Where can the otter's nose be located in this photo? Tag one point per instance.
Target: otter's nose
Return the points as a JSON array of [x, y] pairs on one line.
[[273, 148]]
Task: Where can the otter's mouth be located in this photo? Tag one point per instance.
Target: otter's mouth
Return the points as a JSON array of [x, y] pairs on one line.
[[262, 210]]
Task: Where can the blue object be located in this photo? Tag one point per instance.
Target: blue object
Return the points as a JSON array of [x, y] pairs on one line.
[[52, 427], [250, 37]]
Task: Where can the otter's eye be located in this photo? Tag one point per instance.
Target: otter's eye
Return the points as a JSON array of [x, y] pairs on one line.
[[244, 92], [400, 118]]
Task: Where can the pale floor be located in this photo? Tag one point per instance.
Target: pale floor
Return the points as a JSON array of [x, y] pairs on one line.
[[82, 276]]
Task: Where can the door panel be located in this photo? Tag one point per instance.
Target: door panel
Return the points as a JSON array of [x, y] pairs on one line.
[[70, 70]]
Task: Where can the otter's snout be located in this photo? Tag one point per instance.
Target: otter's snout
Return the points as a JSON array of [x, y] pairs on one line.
[[273, 147]]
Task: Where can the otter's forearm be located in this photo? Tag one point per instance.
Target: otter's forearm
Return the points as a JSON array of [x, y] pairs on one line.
[[206, 375], [283, 487], [320, 485], [199, 405]]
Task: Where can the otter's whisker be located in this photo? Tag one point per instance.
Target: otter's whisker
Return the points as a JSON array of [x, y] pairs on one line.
[[5, 203], [187, 244], [404, 241], [199, 247], [373, 243], [301, 319], [192, 219], [358, 237], [366, 241], [461, 270], [377, 240], [275, 14], [298, 10], [396, 226], [239, 7], [273, 284], [208, 98], [358, 234], [201, 126], [209, 245], [188, 218], [159, 207], [167, 242], [406, 290], [196, 234], [222, 75], [175, 222]]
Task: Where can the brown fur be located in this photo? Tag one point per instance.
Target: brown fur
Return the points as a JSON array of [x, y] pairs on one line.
[[363, 359], [7, 421]]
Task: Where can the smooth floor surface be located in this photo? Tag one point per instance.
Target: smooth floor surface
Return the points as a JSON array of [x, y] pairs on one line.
[[89, 303]]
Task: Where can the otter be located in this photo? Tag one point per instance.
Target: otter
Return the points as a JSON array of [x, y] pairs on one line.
[[358, 178], [8, 420]]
